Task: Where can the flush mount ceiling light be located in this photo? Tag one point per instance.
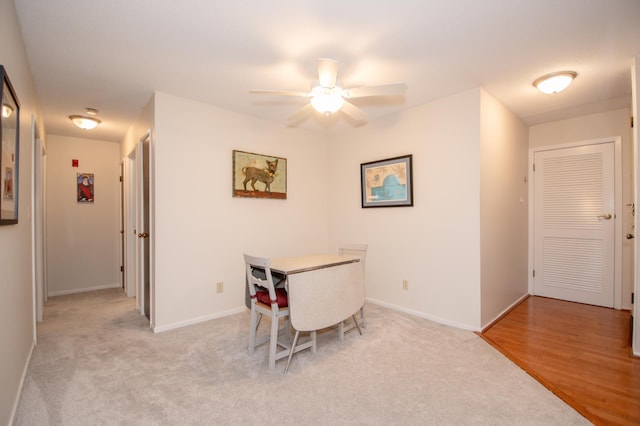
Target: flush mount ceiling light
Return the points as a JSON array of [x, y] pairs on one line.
[[86, 123], [555, 82], [6, 111]]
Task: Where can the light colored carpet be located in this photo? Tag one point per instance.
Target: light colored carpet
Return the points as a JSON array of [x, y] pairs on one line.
[[98, 363]]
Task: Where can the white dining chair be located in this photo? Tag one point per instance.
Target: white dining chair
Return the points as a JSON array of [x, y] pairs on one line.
[[359, 250], [267, 300]]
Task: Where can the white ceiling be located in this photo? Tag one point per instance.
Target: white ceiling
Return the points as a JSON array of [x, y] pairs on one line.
[[113, 54]]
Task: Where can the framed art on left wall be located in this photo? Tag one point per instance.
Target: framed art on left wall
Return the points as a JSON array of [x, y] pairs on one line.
[[10, 135]]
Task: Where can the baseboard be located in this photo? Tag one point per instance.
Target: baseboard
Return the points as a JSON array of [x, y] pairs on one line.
[[505, 312], [632, 331], [82, 290], [423, 315], [21, 385], [180, 324]]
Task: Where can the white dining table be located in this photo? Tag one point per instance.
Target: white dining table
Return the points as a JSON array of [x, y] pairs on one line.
[[323, 290], [299, 264]]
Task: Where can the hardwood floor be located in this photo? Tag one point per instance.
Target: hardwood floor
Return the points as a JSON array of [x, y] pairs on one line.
[[582, 353]]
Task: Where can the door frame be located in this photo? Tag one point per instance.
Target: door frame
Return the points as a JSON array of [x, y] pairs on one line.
[[618, 230], [133, 211], [145, 225], [130, 231], [635, 140], [38, 223]]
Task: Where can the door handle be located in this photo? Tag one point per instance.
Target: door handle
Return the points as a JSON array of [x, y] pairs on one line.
[[605, 216], [143, 235]]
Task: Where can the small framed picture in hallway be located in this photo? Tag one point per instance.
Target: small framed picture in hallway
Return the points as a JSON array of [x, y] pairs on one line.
[[85, 187]]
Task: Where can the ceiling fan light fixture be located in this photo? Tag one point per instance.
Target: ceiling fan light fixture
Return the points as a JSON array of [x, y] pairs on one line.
[[555, 82], [326, 101], [327, 95], [85, 123], [6, 111]]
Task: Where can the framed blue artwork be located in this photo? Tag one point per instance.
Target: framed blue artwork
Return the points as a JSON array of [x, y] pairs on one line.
[[387, 183]]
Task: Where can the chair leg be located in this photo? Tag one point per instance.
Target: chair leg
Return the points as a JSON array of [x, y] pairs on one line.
[[341, 331], [362, 317], [273, 343], [314, 341], [252, 331], [287, 329], [293, 347]]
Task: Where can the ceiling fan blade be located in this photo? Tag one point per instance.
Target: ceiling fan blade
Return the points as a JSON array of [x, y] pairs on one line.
[[301, 113], [383, 90], [278, 92], [327, 72], [354, 112]]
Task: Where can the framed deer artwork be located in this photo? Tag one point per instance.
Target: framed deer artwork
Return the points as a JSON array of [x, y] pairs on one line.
[[259, 175]]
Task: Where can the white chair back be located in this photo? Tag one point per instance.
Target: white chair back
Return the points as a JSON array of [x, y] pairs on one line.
[[252, 262], [359, 250]]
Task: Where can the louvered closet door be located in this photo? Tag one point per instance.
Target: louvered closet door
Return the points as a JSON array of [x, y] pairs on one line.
[[574, 224]]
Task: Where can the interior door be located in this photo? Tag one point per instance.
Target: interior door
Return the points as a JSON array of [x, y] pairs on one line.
[[574, 198]]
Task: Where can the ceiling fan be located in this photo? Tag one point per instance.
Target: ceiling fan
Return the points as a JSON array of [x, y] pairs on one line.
[[328, 96]]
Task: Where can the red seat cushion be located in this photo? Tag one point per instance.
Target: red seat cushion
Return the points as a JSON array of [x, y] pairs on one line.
[[281, 296]]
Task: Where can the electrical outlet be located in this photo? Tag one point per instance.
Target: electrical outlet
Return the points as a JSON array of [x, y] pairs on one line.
[[405, 284], [219, 287]]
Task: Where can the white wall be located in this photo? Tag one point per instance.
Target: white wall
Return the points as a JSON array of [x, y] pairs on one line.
[[503, 212], [144, 123], [596, 126], [82, 238], [201, 231], [16, 304], [435, 244]]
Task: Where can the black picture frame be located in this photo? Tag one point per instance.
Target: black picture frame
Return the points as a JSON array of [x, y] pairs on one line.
[[387, 183], [9, 154]]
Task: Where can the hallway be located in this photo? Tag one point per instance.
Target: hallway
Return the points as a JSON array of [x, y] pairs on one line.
[[582, 353]]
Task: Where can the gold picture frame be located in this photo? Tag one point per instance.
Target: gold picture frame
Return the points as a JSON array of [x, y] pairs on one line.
[[259, 175]]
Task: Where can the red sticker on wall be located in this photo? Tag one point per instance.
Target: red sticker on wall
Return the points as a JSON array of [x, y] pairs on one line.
[[74, 163]]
